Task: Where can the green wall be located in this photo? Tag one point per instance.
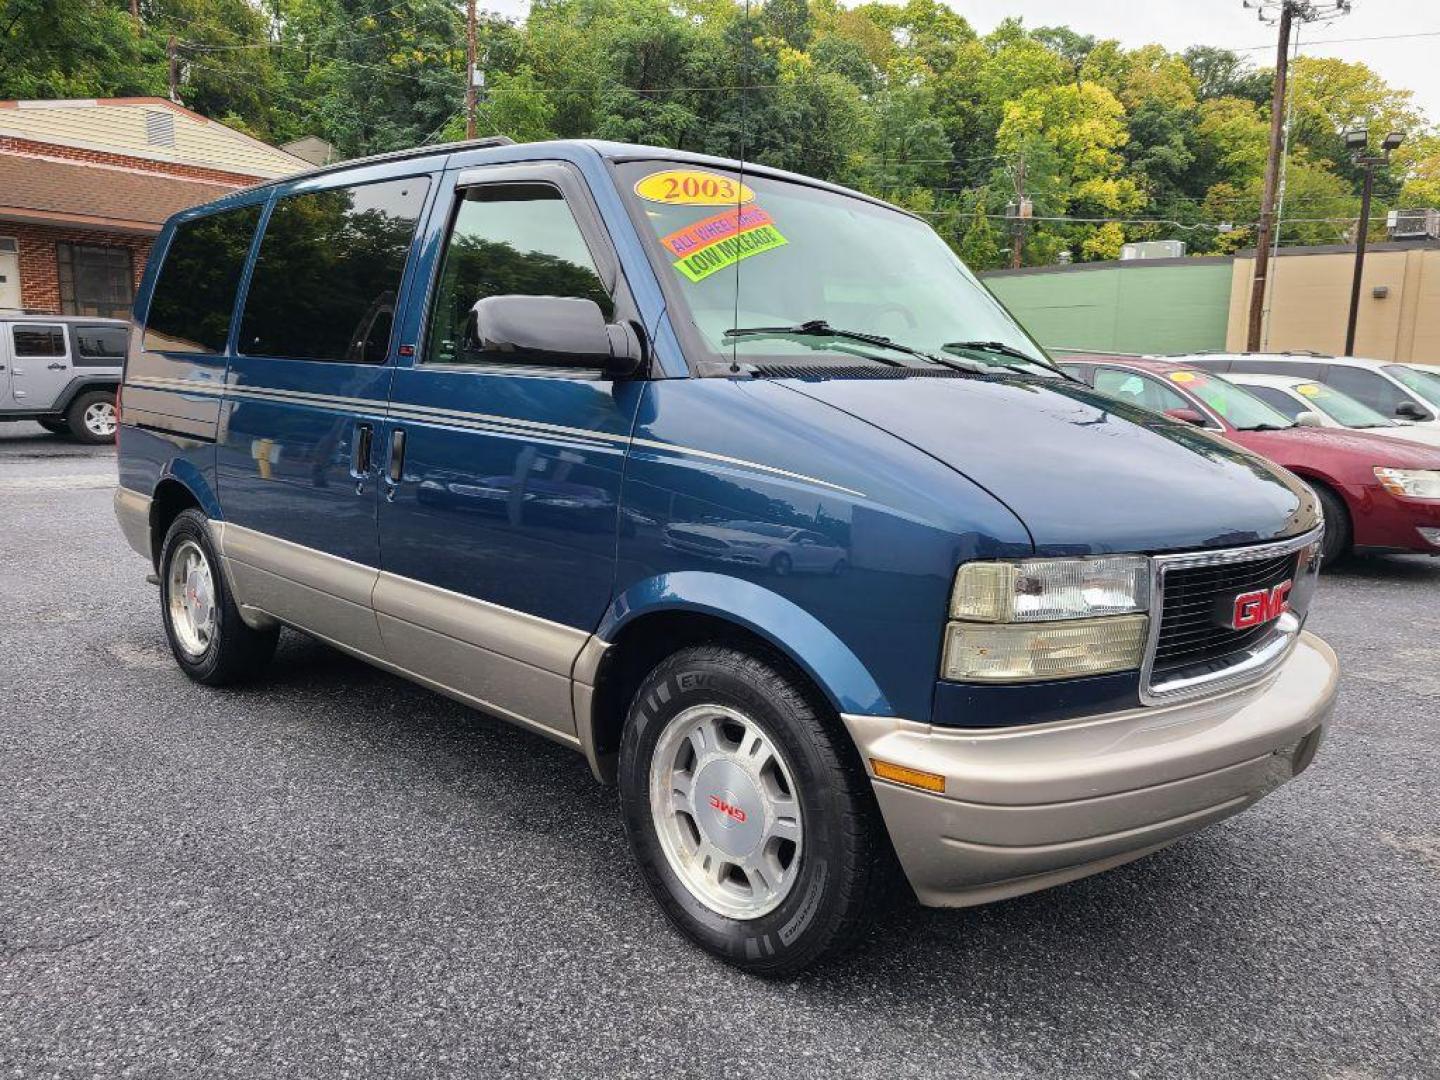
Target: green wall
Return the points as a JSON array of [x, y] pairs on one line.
[[1159, 306]]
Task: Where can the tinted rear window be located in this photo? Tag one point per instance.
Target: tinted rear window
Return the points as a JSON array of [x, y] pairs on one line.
[[328, 272], [100, 345], [195, 293]]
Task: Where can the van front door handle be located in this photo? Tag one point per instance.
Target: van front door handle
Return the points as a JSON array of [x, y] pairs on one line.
[[57, 367], [360, 455], [396, 471]]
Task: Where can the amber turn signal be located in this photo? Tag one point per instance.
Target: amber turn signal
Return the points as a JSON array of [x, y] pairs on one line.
[[900, 774]]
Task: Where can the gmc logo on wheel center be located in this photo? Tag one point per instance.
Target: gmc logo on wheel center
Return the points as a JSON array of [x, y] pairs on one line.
[[728, 809], [1259, 607]]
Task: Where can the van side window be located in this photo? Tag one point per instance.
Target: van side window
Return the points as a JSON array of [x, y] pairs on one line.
[[329, 267], [508, 239], [34, 340], [99, 346], [195, 293]]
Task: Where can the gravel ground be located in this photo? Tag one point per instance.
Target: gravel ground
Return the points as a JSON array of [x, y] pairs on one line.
[[338, 874]]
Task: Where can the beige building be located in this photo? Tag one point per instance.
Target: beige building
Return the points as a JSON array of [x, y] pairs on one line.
[[1309, 301], [86, 185]]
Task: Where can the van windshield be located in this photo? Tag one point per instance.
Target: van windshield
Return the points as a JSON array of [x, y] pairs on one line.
[[784, 264]]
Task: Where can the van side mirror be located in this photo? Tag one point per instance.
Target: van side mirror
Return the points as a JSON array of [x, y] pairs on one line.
[[1186, 416], [559, 331], [1309, 419], [1408, 410]]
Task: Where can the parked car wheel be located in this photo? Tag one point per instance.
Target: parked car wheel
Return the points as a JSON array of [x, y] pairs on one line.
[[211, 643], [781, 565], [91, 417], [754, 827], [1336, 546]]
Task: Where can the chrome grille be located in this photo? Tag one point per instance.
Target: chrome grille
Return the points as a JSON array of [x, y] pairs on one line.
[[1197, 607], [1194, 648]]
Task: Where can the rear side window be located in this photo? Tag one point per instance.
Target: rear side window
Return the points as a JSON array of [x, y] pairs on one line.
[[195, 293], [1277, 399], [328, 271], [39, 341], [100, 346], [1138, 390]]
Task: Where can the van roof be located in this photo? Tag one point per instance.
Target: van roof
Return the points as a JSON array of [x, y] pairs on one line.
[[609, 151]]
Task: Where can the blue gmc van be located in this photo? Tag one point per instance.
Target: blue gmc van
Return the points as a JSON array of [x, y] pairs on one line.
[[739, 484]]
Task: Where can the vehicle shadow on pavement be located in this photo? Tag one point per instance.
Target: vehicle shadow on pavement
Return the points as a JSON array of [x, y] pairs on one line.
[[1418, 568]]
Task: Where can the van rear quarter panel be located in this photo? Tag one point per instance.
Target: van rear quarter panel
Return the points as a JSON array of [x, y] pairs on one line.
[[725, 481]]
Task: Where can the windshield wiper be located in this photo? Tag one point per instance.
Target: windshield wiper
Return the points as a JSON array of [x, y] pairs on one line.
[[996, 348], [1268, 427], [821, 328]]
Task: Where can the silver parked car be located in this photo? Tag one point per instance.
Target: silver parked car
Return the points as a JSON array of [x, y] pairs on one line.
[[62, 371]]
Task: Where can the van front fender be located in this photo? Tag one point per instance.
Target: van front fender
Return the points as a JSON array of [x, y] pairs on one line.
[[792, 630]]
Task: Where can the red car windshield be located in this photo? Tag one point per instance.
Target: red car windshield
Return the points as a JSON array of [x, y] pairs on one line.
[[1237, 407]]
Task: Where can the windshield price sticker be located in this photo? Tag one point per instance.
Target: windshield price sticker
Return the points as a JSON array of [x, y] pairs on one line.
[[712, 230], [717, 256], [1182, 376], [1308, 390], [692, 187]]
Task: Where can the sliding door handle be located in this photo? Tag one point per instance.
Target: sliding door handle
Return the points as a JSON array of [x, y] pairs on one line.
[[396, 472], [360, 449]]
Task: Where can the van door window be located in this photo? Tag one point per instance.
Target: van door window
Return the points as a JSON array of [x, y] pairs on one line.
[[508, 239], [328, 272], [194, 296]]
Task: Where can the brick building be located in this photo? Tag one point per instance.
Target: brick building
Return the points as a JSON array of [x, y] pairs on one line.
[[86, 185]]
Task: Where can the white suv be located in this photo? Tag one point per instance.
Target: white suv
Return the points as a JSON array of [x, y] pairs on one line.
[[1398, 391], [1327, 407]]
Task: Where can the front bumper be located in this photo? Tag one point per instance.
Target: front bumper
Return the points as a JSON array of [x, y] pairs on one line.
[[1027, 808]]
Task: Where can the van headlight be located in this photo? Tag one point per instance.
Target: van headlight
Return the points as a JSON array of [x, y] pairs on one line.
[[1047, 619], [1409, 483]]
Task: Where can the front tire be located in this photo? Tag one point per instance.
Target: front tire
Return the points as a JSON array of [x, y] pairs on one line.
[[211, 643], [1335, 548], [752, 823]]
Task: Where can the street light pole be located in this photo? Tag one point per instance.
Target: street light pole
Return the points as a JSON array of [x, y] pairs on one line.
[[1284, 13], [1358, 141]]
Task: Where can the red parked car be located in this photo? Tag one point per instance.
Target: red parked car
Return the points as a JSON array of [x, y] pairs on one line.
[[1379, 494]]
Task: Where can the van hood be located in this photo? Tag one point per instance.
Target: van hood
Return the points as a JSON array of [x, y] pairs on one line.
[[1085, 473]]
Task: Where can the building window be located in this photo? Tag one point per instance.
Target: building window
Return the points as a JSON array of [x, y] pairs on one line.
[[95, 280]]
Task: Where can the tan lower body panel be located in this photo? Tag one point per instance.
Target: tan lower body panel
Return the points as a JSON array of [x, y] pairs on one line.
[[505, 662], [1026, 808], [132, 511]]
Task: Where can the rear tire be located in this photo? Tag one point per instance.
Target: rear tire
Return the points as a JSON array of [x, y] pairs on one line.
[[91, 417], [211, 643], [775, 857], [1336, 546]]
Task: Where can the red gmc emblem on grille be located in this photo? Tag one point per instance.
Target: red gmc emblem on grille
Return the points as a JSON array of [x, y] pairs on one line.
[[1259, 607]]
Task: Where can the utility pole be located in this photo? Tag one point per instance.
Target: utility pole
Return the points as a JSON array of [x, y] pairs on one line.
[[172, 57], [470, 69], [1358, 143], [1284, 13], [1019, 210], [135, 14]]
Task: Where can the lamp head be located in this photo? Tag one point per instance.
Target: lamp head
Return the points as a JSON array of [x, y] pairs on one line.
[[1357, 139], [1393, 141]]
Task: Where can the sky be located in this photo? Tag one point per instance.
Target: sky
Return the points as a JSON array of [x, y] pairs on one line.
[[1410, 63]]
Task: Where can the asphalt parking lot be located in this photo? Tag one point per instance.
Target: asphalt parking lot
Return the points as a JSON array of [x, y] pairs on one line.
[[335, 873]]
